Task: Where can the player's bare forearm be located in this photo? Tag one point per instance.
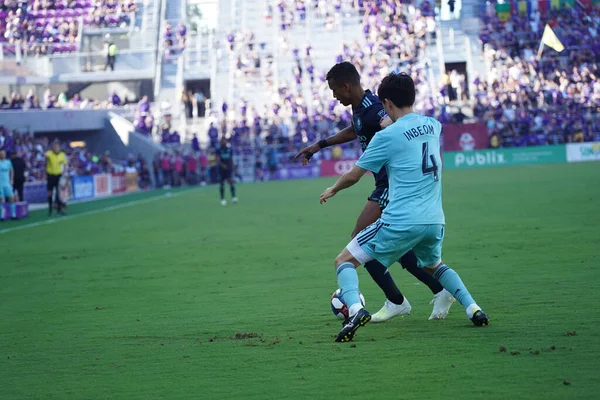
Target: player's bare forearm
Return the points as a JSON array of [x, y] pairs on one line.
[[347, 180], [344, 136]]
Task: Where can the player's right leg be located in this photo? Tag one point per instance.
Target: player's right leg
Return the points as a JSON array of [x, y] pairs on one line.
[[345, 269], [222, 192], [429, 253], [377, 241], [2, 211], [10, 194], [395, 304]]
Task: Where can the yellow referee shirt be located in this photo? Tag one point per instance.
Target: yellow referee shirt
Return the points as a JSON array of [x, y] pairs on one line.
[[55, 162]]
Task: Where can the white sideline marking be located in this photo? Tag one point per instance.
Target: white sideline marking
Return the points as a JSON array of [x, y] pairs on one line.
[[91, 212]]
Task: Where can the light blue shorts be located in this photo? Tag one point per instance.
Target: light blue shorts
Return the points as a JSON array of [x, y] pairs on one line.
[[6, 191], [387, 243]]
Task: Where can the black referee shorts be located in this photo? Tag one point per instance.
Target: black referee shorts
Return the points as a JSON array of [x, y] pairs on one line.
[[52, 182]]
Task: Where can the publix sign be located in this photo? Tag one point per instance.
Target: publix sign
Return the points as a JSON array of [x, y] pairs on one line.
[[478, 159], [577, 152], [509, 156]]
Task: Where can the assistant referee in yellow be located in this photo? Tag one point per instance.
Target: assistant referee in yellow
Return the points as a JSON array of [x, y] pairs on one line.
[[56, 163]]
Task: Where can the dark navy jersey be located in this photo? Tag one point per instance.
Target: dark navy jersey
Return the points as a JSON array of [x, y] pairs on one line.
[[225, 154], [366, 120]]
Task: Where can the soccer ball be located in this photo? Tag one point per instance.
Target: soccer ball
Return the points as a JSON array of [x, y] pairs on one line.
[[339, 308]]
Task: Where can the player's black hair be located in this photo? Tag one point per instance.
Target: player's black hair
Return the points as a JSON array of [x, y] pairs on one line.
[[344, 72], [399, 89]]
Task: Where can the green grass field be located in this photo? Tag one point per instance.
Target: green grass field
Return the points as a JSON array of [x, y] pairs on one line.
[[161, 299]]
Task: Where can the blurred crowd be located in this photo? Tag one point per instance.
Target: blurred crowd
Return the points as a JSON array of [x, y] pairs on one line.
[[18, 101], [174, 39], [81, 161], [183, 168], [52, 26], [526, 100], [394, 35]]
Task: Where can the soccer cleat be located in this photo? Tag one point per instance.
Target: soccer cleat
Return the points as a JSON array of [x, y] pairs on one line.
[[441, 304], [479, 318], [223, 202], [391, 310], [361, 318], [234, 200]]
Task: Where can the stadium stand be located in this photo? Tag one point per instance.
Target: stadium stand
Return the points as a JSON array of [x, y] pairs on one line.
[[256, 73], [551, 100], [294, 106], [43, 27]]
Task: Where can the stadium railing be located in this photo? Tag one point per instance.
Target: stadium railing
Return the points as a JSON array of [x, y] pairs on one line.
[[72, 67], [160, 49], [197, 56]]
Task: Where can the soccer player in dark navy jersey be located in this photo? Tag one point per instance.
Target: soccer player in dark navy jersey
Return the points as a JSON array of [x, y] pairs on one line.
[[368, 118], [224, 154]]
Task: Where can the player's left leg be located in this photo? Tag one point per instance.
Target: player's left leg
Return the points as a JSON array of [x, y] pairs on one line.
[[442, 299], [57, 200], [429, 254], [234, 199], [50, 189]]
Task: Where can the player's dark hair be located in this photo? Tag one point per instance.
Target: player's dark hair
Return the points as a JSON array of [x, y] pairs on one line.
[[399, 89], [344, 72]]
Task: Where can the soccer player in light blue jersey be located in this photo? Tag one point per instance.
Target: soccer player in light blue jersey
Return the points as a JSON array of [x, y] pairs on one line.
[[409, 149], [6, 186]]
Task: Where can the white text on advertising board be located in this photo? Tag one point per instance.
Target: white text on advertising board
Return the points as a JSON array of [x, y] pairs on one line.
[[479, 158]]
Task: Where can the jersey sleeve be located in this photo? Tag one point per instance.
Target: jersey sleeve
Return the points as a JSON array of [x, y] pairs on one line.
[[373, 117], [376, 154]]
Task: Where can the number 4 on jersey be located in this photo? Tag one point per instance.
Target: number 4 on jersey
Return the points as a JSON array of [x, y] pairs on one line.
[[426, 158]]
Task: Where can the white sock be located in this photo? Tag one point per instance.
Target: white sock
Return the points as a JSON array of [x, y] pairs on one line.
[[354, 308], [472, 309]]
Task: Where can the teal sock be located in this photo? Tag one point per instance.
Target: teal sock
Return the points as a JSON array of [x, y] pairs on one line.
[[13, 210], [452, 283], [2, 210], [348, 283]]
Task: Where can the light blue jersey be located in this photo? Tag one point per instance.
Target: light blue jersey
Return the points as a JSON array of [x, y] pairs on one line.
[[410, 151], [5, 167]]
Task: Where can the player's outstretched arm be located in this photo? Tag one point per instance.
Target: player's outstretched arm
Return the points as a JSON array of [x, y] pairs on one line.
[[345, 135], [347, 180]]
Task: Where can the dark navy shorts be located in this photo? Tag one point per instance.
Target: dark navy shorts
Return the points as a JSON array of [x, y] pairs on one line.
[[225, 173], [380, 195]]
